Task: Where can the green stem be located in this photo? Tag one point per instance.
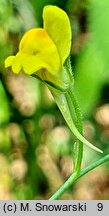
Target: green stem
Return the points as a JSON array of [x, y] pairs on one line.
[[74, 177], [72, 102]]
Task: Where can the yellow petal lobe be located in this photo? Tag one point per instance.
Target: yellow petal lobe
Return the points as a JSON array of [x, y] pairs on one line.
[[17, 63], [9, 60], [57, 25]]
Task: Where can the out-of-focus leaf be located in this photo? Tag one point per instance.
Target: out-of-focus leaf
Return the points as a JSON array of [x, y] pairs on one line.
[[38, 6], [5, 143], [88, 78], [75, 5], [99, 26], [92, 67], [5, 11], [24, 16], [4, 106]]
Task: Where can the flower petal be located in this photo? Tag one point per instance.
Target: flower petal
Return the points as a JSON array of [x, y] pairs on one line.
[[16, 64], [32, 64], [57, 25], [36, 51], [9, 60], [39, 47]]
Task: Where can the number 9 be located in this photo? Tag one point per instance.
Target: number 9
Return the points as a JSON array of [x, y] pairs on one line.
[[100, 206]]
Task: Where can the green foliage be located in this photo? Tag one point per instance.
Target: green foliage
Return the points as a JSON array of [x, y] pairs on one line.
[[4, 107], [91, 70], [88, 78], [38, 6], [99, 26]]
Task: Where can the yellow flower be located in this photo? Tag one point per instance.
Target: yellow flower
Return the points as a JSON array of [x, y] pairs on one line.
[[43, 51]]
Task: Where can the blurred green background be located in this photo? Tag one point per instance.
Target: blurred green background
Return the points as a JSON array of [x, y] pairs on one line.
[[35, 142]]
